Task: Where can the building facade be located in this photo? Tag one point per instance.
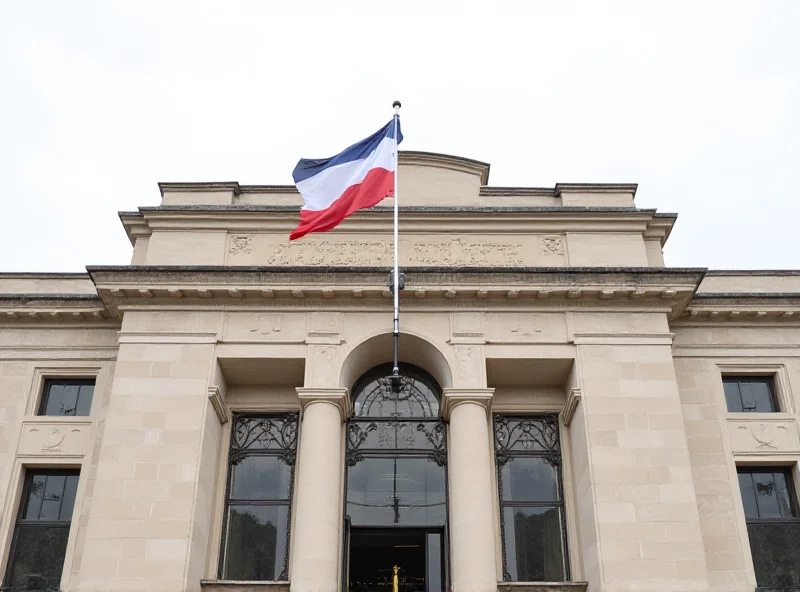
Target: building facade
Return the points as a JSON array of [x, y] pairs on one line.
[[572, 414]]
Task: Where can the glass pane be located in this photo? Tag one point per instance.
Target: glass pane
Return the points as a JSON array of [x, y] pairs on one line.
[[53, 496], [766, 496], [775, 556], [401, 491], [748, 495], [762, 394], [70, 488], [782, 493], [69, 401], [748, 396], [256, 542], [35, 495], [434, 565], [401, 435], [85, 400], [534, 544], [37, 557], [529, 479], [261, 478], [732, 396], [54, 395]]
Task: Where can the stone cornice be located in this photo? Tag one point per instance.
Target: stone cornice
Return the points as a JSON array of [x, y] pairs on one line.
[[596, 188], [664, 289], [196, 187], [278, 219], [742, 308]]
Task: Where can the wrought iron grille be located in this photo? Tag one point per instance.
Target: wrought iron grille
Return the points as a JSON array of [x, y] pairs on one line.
[[522, 438], [397, 428], [396, 421], [262, 436]]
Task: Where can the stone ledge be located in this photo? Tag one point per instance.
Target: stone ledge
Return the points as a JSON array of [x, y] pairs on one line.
[[542, 586], [243, 586]]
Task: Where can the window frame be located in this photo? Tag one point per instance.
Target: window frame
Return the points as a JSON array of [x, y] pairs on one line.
[[768, 379], [552, 456], [23, 501], [790, 489], [49, 381], [235, 455]]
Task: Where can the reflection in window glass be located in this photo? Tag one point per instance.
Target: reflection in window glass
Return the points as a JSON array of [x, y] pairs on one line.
[[396, 491], [749, 394], [41, 532], [533, 537], [258, 500], [772, 525], [528, 457], [256, 536], [67, 397]]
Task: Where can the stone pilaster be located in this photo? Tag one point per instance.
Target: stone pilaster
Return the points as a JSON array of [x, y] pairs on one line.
[[317, 511], [471, 487], [637, 508]]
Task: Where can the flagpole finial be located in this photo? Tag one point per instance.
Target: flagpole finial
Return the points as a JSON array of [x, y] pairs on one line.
[[396, 105]]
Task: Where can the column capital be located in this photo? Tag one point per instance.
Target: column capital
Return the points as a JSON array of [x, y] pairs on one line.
[[339, 397], [453, 397]]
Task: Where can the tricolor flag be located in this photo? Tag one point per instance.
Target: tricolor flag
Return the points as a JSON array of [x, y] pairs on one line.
[[358, 178]]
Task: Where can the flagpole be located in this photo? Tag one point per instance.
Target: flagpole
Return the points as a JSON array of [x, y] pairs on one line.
[[396, 274]]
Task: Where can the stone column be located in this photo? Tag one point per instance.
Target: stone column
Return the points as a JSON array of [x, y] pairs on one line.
[[472, 528], [318, 511]]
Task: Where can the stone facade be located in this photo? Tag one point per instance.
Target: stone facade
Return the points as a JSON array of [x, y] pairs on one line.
[[518, 300]]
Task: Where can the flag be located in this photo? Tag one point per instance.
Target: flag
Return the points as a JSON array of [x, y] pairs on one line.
[[358, 178]]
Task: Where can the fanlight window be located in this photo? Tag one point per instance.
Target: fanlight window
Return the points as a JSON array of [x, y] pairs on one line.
[[417, 395]]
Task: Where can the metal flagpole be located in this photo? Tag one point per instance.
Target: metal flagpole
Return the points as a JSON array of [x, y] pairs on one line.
[[396, 274]]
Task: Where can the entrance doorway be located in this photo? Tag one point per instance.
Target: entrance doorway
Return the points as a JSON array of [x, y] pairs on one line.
[[396, 496], [416, 552]]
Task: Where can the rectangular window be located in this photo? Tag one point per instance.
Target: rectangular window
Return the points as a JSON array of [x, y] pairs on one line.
[[62, 397], [749, 394], [258, 497], [770, 508], [528, 458], [42, 529]]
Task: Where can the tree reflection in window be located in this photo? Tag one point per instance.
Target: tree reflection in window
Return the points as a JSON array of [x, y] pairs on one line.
[[528, 459], [258, 497], [40, 535], [773, 526]]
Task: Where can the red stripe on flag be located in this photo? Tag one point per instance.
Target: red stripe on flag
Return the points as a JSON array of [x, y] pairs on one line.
[[377, 185]]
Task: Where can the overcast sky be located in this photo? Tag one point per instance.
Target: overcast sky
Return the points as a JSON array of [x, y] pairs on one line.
[[697, 101]]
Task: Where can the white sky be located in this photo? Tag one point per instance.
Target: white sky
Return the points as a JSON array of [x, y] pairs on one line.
[[697, 101]]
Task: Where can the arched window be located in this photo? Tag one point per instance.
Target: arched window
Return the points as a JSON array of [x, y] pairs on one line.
[[396, 450], [417, 396]]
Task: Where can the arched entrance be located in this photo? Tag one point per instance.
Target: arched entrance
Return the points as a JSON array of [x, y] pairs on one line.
[[396, 496]]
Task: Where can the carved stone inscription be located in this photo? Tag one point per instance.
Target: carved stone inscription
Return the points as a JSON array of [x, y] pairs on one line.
[[57, 439], [479, 251], [526, 327]]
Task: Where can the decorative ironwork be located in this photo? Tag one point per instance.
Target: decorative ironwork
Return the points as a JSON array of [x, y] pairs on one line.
[[253, 433], [436, 436], [527, 434], [414, 395], [264, 435]]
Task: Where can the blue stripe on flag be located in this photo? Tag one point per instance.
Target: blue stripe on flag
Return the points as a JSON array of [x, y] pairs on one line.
[[308, 167]]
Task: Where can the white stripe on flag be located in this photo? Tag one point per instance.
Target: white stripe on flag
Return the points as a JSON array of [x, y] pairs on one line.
[[320, 191]]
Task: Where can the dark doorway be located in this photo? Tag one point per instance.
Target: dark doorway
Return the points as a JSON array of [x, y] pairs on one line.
[[416, 552]]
